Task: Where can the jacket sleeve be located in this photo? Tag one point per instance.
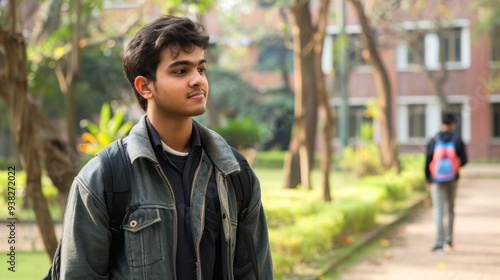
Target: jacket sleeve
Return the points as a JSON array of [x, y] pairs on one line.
[[428, 158], [86, 235], [462, 152], [255, 220]]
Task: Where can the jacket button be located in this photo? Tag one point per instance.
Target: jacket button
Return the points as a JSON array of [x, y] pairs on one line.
[[223, 215], [133, 223]]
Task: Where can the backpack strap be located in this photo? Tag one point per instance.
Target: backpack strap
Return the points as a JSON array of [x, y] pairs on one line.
[[116, 168], [243, 187]]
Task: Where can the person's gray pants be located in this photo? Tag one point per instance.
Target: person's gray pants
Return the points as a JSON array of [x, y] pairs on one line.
[[444, 194]]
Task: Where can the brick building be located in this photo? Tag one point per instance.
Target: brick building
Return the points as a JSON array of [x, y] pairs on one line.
[[471, 61]]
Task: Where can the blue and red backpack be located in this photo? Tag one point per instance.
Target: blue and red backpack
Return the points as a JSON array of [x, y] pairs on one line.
[[445, 162]]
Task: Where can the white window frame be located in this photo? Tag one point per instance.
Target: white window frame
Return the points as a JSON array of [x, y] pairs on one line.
[[328, 56], [433, 117], [432, 45], [357, 101]]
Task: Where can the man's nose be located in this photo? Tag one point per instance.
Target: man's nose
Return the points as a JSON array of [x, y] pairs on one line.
[[198, 79]]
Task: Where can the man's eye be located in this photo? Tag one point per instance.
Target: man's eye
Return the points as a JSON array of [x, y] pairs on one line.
[[202, 70]]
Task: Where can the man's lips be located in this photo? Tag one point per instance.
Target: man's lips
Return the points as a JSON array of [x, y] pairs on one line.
[[197, 94]]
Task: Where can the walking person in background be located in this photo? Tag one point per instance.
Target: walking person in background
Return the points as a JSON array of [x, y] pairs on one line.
[[184, 219], [445, 155]]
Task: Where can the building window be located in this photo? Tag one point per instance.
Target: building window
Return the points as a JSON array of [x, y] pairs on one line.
[[495, 120], [416, 49], [354, 48], [450, 45], [451, 42], [495, 44], [273, 55], [356, 117], [416, 121]]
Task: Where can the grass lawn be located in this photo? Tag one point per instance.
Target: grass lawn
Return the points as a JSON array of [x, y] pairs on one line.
[[29, 265]]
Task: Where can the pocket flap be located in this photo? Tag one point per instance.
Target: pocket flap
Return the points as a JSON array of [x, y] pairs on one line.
[[141, 219]]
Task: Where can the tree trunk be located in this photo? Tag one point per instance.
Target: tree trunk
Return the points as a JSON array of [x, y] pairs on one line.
[[301, 150], [388, 143], [14, 93], [73, 74], [325, 111], [35, 138]]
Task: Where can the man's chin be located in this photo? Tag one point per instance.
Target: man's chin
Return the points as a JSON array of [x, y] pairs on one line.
[[199, 112]]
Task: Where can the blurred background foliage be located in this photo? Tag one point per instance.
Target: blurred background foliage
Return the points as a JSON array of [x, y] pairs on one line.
[[109, 129]]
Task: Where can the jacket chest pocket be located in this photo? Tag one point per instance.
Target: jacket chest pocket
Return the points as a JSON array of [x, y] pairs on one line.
[[143, 237]]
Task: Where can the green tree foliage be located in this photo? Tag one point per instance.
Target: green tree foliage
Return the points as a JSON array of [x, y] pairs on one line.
[[101, 81], [230, 93], [489, 15], [270, 113]]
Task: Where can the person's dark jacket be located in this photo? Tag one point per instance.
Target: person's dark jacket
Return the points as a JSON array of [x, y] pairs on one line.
[[445, 136]]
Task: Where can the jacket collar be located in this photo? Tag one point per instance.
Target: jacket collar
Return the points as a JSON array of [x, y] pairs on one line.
[[157, 143], [139, 145]]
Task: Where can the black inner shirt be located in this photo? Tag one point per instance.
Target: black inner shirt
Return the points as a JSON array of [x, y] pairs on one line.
[[180, 172]]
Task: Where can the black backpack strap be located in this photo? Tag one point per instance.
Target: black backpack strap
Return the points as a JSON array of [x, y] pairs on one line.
[[242, 182], [243, 186], [116, 167], [55, 270]]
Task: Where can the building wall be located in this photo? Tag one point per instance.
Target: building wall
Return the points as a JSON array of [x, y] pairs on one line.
[[465, 85]]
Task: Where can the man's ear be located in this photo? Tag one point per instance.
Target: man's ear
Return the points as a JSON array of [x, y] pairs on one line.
[[144, 86]]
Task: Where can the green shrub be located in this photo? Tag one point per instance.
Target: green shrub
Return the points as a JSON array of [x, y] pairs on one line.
[[414, 179], [241, 132], [286, 248], [413, 171], [312, 232], [394, 185], [49, 191], [270, 159], [5, 162], [20, 185], [319, 231], [363, 161], [358, 215]]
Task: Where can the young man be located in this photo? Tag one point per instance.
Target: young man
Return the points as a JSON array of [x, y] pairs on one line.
[[443, 188], [184, 216]]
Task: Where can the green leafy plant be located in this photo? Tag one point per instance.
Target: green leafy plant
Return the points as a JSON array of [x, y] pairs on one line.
[[241, 133], [108, 130], [363, 161]]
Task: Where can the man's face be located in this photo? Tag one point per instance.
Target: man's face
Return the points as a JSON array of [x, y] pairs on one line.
[[181, 87]]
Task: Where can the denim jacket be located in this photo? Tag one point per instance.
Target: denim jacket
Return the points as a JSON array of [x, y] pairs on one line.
[[150, 232]]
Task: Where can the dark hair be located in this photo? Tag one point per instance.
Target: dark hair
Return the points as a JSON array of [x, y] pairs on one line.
[[142, 55], [448, 117]]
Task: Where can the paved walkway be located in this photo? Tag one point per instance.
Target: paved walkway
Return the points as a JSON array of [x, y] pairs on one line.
[[476, 254]]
